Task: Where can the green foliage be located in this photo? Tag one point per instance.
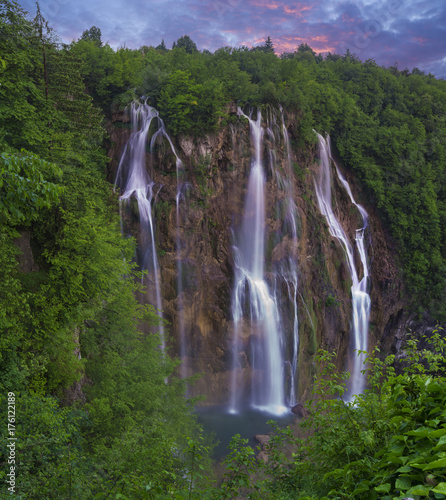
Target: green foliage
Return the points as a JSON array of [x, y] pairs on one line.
[[70, 325], [331, 301], [190, 107], [135, 414], [43, 105], [268, 46], [24, 188], [240, 465], [49, 458], [388, 443], [14, 314], [20, 98], [107, 73], [162, 46], [186, 43], [93, 34]]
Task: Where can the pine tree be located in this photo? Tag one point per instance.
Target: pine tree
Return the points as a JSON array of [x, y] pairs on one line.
[[268, 47], [42, 27], [162, 46], [69, 111]]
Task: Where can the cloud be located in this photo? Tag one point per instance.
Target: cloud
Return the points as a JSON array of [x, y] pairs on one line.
[[409, 32]]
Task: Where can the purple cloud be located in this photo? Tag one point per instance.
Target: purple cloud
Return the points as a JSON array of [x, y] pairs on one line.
[[407, 32]]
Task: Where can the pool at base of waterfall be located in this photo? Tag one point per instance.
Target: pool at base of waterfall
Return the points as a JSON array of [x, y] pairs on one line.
[[248, 421]]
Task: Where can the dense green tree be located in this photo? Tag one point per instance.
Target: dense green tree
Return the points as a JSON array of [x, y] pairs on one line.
[[305, 52], [268, 46], [93, 35], [162, 46], [23, 108], [25, 188], [186, 43], [188, 106]]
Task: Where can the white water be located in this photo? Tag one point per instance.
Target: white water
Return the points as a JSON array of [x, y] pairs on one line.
[[286, 271], [360, 297], [292, 280], [134, 181], [158, 136], [252, 296]]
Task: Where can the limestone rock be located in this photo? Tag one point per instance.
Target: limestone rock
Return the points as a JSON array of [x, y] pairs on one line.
[[263, 457], [263, 439]]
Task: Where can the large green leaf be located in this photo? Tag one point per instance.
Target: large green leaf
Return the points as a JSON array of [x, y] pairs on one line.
[[383, 488], [436, 464], [403, 483], [440, 488], [421, 490]]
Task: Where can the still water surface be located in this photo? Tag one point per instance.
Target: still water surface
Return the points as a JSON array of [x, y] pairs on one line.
[[248, 422]]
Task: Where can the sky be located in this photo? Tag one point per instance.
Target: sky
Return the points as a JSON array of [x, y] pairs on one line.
[[409, 33]]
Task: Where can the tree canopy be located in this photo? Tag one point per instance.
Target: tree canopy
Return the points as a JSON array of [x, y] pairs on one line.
[[186, 43], [93, 35]]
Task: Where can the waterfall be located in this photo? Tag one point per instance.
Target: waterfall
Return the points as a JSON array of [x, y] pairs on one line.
[[285, 269], [252, 301], [181, 187], [134, 181], [360, 297], [292, 277]]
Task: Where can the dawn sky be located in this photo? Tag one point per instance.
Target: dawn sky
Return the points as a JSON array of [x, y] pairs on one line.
[[411, 33]]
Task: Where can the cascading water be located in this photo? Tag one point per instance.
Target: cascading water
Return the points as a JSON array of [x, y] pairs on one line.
[[181, 186], [252, 301], [134, 181], [285, 269], [180, 196], [360, 298]]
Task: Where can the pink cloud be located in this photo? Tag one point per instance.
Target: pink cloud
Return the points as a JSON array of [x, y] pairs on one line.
[[347, 19], [271, 6], [297, 10], [420, 40]]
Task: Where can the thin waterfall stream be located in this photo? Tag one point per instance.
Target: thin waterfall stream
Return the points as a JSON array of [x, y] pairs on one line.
[[134, 182], [285, 268], [181, 187], [360, 297]]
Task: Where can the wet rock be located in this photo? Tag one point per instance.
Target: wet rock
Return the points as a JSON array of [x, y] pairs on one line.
[[300, 411], [263, 439]]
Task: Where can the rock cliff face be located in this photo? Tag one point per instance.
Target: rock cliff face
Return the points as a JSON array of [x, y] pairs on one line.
[[215, 182]]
